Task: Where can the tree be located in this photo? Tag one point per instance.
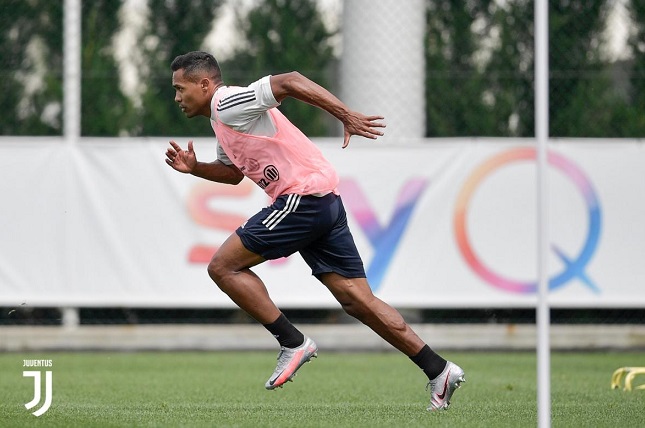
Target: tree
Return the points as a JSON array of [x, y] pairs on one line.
[[464, 100], [631, 118], [31, 48], [510, 74], [581, 102], [175, 27], [282, 36], [456, 87], [105, 111], [31, 45]]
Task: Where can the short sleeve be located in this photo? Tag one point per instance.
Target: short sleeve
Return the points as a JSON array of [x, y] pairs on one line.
[[245, 108], [264, 92]]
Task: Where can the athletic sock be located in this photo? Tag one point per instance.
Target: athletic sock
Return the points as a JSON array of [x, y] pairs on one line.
[[428, 361], [285, 332]]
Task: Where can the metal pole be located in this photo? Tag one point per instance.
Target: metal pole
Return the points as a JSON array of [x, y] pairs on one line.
[[71, 125], [72, 71], [542, 136]]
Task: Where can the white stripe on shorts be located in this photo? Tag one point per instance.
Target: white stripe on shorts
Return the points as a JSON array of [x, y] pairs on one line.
[[277, 216]]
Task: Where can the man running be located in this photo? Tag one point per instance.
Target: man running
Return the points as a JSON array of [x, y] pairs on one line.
[[306, 215]]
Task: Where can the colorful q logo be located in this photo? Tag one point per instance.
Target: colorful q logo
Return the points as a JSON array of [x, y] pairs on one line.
[[574, 268]]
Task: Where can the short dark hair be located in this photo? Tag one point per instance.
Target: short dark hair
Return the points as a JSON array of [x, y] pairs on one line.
[[195, 63]]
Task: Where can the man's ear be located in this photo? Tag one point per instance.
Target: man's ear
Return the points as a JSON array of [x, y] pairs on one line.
[[204, 84]]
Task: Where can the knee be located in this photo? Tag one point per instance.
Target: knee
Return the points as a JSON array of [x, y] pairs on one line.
[[217, 271]]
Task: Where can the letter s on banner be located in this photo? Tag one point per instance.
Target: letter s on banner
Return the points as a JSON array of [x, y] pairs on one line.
[[203, 212]]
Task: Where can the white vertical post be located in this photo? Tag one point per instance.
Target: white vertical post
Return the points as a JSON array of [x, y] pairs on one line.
[[383, 64], [71, 318], [542, 137], [71, 124], [72, 70]]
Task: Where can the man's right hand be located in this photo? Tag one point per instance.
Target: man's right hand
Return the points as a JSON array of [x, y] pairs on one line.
[[181, 160]]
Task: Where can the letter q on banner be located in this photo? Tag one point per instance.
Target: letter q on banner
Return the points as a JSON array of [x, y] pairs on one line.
[[574, 267]]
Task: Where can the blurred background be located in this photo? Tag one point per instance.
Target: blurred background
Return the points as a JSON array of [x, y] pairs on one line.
[[477, 61], [455, 81]]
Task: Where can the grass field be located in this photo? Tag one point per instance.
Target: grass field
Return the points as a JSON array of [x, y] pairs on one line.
[[221, 389]]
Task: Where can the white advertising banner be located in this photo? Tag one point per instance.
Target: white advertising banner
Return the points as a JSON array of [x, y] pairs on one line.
[[448, 223]]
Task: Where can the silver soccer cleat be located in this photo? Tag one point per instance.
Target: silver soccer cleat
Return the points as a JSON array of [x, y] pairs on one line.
[[444, 385], [289, 361]]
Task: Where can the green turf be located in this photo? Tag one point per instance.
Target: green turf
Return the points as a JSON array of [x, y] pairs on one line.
[[220, 389]]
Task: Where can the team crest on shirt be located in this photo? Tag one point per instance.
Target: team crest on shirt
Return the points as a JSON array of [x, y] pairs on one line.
[[271, 173]]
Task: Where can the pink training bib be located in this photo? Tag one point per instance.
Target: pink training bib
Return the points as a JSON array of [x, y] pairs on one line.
[[283, 164]]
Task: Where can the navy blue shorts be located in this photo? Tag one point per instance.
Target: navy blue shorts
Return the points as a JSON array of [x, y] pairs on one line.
[[314, 226]]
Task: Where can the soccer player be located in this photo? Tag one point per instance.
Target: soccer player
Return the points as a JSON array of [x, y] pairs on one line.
[[306, 215]]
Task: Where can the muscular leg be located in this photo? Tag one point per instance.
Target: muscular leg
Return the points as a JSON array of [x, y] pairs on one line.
[[230, 269], [356, 298]]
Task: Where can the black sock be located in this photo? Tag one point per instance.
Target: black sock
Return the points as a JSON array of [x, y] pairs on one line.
[[286, 333], [428, 361]]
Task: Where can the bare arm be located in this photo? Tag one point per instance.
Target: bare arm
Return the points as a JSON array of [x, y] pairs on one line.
[[185, 161], [297, 86]]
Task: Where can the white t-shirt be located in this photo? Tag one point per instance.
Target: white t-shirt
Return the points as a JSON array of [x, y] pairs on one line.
[[244, 109]]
